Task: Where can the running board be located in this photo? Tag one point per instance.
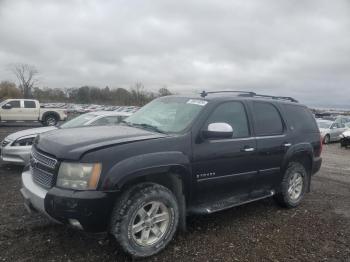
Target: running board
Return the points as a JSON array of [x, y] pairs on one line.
[[226, 204]]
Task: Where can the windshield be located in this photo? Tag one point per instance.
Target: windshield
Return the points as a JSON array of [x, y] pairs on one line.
[[78, 121], [2, 102], [167, 115], [323, 124]]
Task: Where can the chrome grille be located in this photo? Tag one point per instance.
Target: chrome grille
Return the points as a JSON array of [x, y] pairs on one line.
[[43, 169], [42, 159]]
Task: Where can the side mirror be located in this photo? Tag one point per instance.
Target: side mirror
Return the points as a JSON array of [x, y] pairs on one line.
[[7, 106], [218, 130]]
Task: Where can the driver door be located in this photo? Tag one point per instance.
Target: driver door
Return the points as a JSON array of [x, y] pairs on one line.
[[225, 167]]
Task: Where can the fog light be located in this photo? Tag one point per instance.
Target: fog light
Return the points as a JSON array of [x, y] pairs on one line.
[[75, 223]]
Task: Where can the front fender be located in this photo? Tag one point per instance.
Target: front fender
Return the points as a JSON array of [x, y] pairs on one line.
[[147, 164]]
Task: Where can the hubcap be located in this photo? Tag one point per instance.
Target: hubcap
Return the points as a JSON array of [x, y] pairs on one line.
[[295, 186], [150, 223], [51, 121]]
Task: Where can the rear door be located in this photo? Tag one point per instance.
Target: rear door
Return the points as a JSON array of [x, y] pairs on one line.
[[273, 142], [30, 110]]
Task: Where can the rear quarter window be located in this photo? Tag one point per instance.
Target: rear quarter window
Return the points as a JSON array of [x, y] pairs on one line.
[[300, 118]]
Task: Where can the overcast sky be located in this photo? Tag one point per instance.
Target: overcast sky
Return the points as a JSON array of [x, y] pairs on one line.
[[290, 48]]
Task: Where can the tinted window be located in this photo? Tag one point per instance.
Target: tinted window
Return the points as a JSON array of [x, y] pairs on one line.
[[15, 103], [302, 119], [29, 104], [267, 120], [232, 113]]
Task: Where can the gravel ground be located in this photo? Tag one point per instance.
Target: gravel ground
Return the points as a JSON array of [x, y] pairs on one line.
[[318, 230]]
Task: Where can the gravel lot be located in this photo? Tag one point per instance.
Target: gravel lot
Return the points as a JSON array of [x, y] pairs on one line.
[[318, 230]]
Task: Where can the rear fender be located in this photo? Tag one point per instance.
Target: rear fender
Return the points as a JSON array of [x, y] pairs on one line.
[[298, 149]]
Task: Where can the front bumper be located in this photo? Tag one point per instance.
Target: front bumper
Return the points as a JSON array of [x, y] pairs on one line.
[[91, 209], [18, 155], [345, 141]]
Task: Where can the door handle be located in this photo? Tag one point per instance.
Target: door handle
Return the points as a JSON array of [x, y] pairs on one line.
[[248, 149], [287, 144]]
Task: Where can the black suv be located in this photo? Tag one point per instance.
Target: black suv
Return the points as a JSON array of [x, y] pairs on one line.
[[174, 157]]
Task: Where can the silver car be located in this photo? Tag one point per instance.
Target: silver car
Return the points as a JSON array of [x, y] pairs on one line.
[[15, 148], [330, 130]]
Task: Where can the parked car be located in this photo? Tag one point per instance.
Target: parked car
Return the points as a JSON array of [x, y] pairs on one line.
[[174, 157], [342, 119], [330, 130], [345, 136], [16, 148], [29, 110]]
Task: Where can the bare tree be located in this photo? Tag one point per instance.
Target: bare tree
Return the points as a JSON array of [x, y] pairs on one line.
[[27, 77]]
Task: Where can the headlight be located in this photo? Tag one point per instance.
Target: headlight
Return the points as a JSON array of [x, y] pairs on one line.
[[80, 176], [24, 141]]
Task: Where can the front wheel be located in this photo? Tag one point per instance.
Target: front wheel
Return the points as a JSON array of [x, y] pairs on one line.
[[293, 185], [145, 219]]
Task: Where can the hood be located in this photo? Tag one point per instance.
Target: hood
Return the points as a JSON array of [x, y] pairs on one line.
[[72, 143], [30, 132]]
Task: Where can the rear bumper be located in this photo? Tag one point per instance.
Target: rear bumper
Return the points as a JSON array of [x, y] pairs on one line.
[[87, 210], [316, 166]]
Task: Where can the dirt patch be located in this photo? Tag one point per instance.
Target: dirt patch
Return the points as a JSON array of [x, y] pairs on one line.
[[318, 230]]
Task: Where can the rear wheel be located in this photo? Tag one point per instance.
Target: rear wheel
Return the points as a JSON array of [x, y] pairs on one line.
[[50, 120], [293, 185], [145, 219]]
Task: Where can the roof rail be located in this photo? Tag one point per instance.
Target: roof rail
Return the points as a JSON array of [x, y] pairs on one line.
[[250, 94]]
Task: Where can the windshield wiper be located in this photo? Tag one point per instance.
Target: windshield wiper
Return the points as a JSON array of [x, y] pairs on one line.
[[144, 126]]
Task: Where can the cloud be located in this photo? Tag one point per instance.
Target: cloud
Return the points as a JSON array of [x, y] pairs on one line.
[[290, 48]]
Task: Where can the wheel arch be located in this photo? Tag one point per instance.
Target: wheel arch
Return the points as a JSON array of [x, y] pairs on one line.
[[158, 168], [303, 155], [50, 113]]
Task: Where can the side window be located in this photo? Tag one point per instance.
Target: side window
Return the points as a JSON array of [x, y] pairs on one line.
[[300, 118], [267, 120], [29, 104], [15, 103], [232, 113]]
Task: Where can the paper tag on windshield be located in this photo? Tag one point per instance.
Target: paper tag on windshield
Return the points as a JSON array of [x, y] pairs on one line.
[[197, 102]]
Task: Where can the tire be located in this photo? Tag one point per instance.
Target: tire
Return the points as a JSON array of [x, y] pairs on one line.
[[326, 139], [50, 120], [285, 197], [128, 214]]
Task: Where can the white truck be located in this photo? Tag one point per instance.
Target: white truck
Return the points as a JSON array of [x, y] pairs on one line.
[[15, 110]]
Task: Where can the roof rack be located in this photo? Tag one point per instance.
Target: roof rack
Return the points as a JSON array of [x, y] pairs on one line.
[[250, 94]]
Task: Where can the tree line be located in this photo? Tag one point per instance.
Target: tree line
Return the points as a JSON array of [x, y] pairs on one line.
[[27, 77], [135, 95]]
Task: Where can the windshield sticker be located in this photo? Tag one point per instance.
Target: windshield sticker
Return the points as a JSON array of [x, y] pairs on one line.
[[197, 102]]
